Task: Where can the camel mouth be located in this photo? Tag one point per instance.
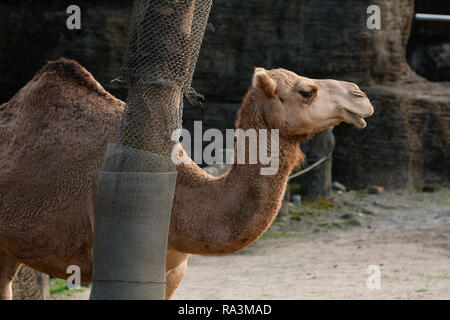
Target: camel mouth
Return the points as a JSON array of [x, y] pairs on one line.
[[355, 119]]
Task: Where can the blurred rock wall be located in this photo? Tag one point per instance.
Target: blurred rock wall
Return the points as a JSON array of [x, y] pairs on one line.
[[428, 50], [34, 31]]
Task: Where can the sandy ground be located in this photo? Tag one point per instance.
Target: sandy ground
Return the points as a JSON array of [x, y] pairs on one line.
[[325, 255]]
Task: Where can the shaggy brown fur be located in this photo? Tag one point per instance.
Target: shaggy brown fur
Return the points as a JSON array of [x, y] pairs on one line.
[[54, 134]]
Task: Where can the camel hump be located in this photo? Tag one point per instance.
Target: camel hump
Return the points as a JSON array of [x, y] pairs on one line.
[[43, 126], [67, 70]]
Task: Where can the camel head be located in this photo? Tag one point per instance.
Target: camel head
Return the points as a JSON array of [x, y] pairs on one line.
[[301, 106]]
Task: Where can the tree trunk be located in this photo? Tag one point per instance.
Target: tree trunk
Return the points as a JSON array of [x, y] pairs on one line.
[[134, 193], [318, 182]]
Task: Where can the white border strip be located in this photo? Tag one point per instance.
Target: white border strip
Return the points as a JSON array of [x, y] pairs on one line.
[[432, 17]]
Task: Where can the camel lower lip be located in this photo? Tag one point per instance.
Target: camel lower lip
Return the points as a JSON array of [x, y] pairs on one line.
[[361, 123], [355, 119]]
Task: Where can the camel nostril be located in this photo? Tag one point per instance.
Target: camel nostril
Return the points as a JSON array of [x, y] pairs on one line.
[[359, 93]]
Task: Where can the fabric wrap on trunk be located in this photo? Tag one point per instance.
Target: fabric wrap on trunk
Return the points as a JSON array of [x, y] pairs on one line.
[[131, 209]]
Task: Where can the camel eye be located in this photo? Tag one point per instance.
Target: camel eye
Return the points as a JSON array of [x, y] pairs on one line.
[[281, 99], [307, 94]]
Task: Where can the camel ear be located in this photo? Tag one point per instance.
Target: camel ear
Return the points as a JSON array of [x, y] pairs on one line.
[[262, 81]]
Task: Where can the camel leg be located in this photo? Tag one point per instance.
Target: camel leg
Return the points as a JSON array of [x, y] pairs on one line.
[[174, 277], [8, 269]]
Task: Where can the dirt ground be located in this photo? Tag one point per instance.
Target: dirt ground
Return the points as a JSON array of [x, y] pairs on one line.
[[322, 250]]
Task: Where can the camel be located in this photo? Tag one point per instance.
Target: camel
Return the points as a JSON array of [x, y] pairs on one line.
[[54, 133]]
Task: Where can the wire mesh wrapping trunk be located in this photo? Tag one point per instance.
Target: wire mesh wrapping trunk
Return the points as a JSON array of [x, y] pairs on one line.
[[134, 191]]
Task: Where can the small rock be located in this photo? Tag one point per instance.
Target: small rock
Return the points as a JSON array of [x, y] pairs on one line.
[[375, 190], [429, 189], [347, 216], [354, 222], [339, 186], [297, 199]]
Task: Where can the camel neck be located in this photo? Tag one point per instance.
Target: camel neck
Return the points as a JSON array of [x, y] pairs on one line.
[[230, 212], [260, 197], [288, 156]]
